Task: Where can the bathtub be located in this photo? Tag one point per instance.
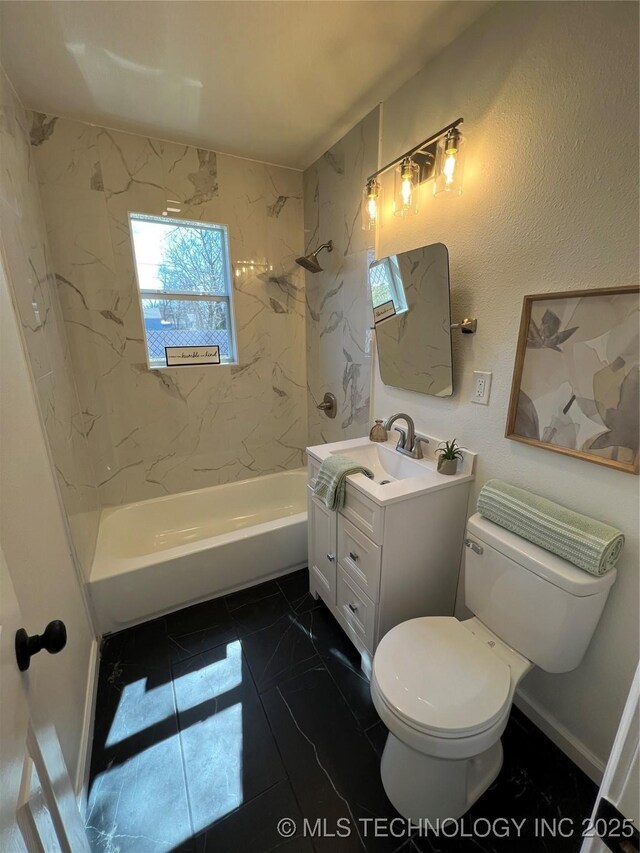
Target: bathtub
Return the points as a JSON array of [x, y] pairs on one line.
[[159, 555]]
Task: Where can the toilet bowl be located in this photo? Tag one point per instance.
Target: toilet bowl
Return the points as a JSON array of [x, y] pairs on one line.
[[444, 687], [446, 704]]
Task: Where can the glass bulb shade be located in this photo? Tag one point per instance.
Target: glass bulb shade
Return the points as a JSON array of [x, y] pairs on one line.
[[407, 179], [449, 164], [371, 205]]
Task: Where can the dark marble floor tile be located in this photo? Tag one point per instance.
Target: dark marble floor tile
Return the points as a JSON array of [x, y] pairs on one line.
[[280, 651], [139, 803], [198, 617], [142, 645], [251, 594], [135, 712], [213, 771], [254, 826], [343, 662], [228, 750], [332, 767], [187, 645], [296, 590], [377, 734], [199, 628], [253, 615]]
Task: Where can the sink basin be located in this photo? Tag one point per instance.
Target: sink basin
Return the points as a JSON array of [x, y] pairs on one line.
[[395, 477], [387, 464]]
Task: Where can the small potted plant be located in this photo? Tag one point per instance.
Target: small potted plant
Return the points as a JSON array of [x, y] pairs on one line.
[[448, 454]]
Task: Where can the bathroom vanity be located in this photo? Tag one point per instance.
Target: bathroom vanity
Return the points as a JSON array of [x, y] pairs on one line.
[[393, 552]]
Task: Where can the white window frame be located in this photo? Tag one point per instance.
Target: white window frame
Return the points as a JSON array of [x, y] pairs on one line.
[[181, 296]]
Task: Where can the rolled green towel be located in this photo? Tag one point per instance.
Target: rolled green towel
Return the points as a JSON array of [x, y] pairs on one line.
[[331, 481], [583, 541]]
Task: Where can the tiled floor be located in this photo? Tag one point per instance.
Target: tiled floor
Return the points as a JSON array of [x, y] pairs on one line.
[[219, 720]]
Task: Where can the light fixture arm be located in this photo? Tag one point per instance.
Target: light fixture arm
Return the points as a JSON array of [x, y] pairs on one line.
[[468, 326]]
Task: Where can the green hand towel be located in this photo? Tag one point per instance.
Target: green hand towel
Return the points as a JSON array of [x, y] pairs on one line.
[[331, 481], [583, 541]]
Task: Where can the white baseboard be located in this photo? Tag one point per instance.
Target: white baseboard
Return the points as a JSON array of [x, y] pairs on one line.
[[561, 736], [88, 720]]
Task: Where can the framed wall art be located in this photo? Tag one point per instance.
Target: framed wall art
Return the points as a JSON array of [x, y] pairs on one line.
[[575, 380]]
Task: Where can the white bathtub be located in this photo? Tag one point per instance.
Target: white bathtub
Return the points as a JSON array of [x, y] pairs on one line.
[[159, 555]]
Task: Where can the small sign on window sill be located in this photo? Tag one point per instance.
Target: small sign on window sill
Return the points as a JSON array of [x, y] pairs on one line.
[[183, 356], [384, 311]]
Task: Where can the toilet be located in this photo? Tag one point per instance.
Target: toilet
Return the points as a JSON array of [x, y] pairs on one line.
[[444, 687]]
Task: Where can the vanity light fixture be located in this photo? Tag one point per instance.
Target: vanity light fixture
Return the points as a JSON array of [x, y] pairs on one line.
[[438, 157], [371, 205]]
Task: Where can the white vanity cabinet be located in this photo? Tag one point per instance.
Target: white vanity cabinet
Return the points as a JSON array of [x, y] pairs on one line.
[[376, 563]]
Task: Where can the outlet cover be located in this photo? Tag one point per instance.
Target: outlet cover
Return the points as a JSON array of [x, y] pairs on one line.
[[481, 387]]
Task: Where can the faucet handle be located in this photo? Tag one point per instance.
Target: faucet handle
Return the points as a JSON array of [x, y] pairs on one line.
[[402, 441], [418, 441]]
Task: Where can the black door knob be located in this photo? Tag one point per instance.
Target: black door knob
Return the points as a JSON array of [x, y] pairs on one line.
[[53, 640]]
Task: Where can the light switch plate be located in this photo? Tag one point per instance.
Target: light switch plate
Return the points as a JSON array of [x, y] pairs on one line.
[[481, 387]]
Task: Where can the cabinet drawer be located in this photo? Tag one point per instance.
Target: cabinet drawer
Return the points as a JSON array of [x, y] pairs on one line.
[[322, 548], [359, 557], [356, 608], [365, 514]]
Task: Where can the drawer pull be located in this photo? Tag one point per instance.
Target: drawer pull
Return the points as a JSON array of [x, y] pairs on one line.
[[331, 557], [353, 608], [353, 556]]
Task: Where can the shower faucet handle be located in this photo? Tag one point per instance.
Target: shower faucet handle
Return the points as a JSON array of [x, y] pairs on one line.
[[329, 405]]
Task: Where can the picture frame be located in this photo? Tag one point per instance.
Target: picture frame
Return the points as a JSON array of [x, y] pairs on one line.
[[575, 379]]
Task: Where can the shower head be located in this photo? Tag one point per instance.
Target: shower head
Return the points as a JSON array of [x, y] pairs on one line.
[[310, 262]]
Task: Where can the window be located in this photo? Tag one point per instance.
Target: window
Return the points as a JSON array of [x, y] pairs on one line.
[[184, 285], [386, 285]]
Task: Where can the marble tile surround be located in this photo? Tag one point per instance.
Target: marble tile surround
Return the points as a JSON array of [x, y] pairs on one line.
[[152, 433], [31, 275], [338, 303]]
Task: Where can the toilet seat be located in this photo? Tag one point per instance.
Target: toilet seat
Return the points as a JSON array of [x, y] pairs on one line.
[[440, 678]]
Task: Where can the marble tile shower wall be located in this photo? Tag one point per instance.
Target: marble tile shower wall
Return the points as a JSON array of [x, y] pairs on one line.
[[152, 433], [30, 272], [338, 313]]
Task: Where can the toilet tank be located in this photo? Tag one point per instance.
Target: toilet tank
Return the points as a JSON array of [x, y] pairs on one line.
[[538, 603]]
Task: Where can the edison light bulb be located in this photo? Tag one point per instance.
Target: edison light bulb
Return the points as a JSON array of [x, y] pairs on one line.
[[450, 167], [407, 187], [371, 205], [449, 156], [407, 176]]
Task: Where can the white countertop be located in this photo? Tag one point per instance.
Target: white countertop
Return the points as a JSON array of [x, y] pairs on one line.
[[416, 476]]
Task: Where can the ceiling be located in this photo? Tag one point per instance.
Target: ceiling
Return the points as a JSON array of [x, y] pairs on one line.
[[274, 81]]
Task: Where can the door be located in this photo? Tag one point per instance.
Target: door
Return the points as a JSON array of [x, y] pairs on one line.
[[38, 809], [42, 711], [322, 549], [33, 526], [615, 821]]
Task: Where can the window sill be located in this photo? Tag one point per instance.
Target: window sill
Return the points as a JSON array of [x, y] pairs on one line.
[[162, 366]]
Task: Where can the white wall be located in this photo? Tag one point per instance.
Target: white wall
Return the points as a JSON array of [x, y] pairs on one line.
[[549, 94]]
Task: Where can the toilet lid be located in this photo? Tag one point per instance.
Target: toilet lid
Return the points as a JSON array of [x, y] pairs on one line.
[[439, 677]]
